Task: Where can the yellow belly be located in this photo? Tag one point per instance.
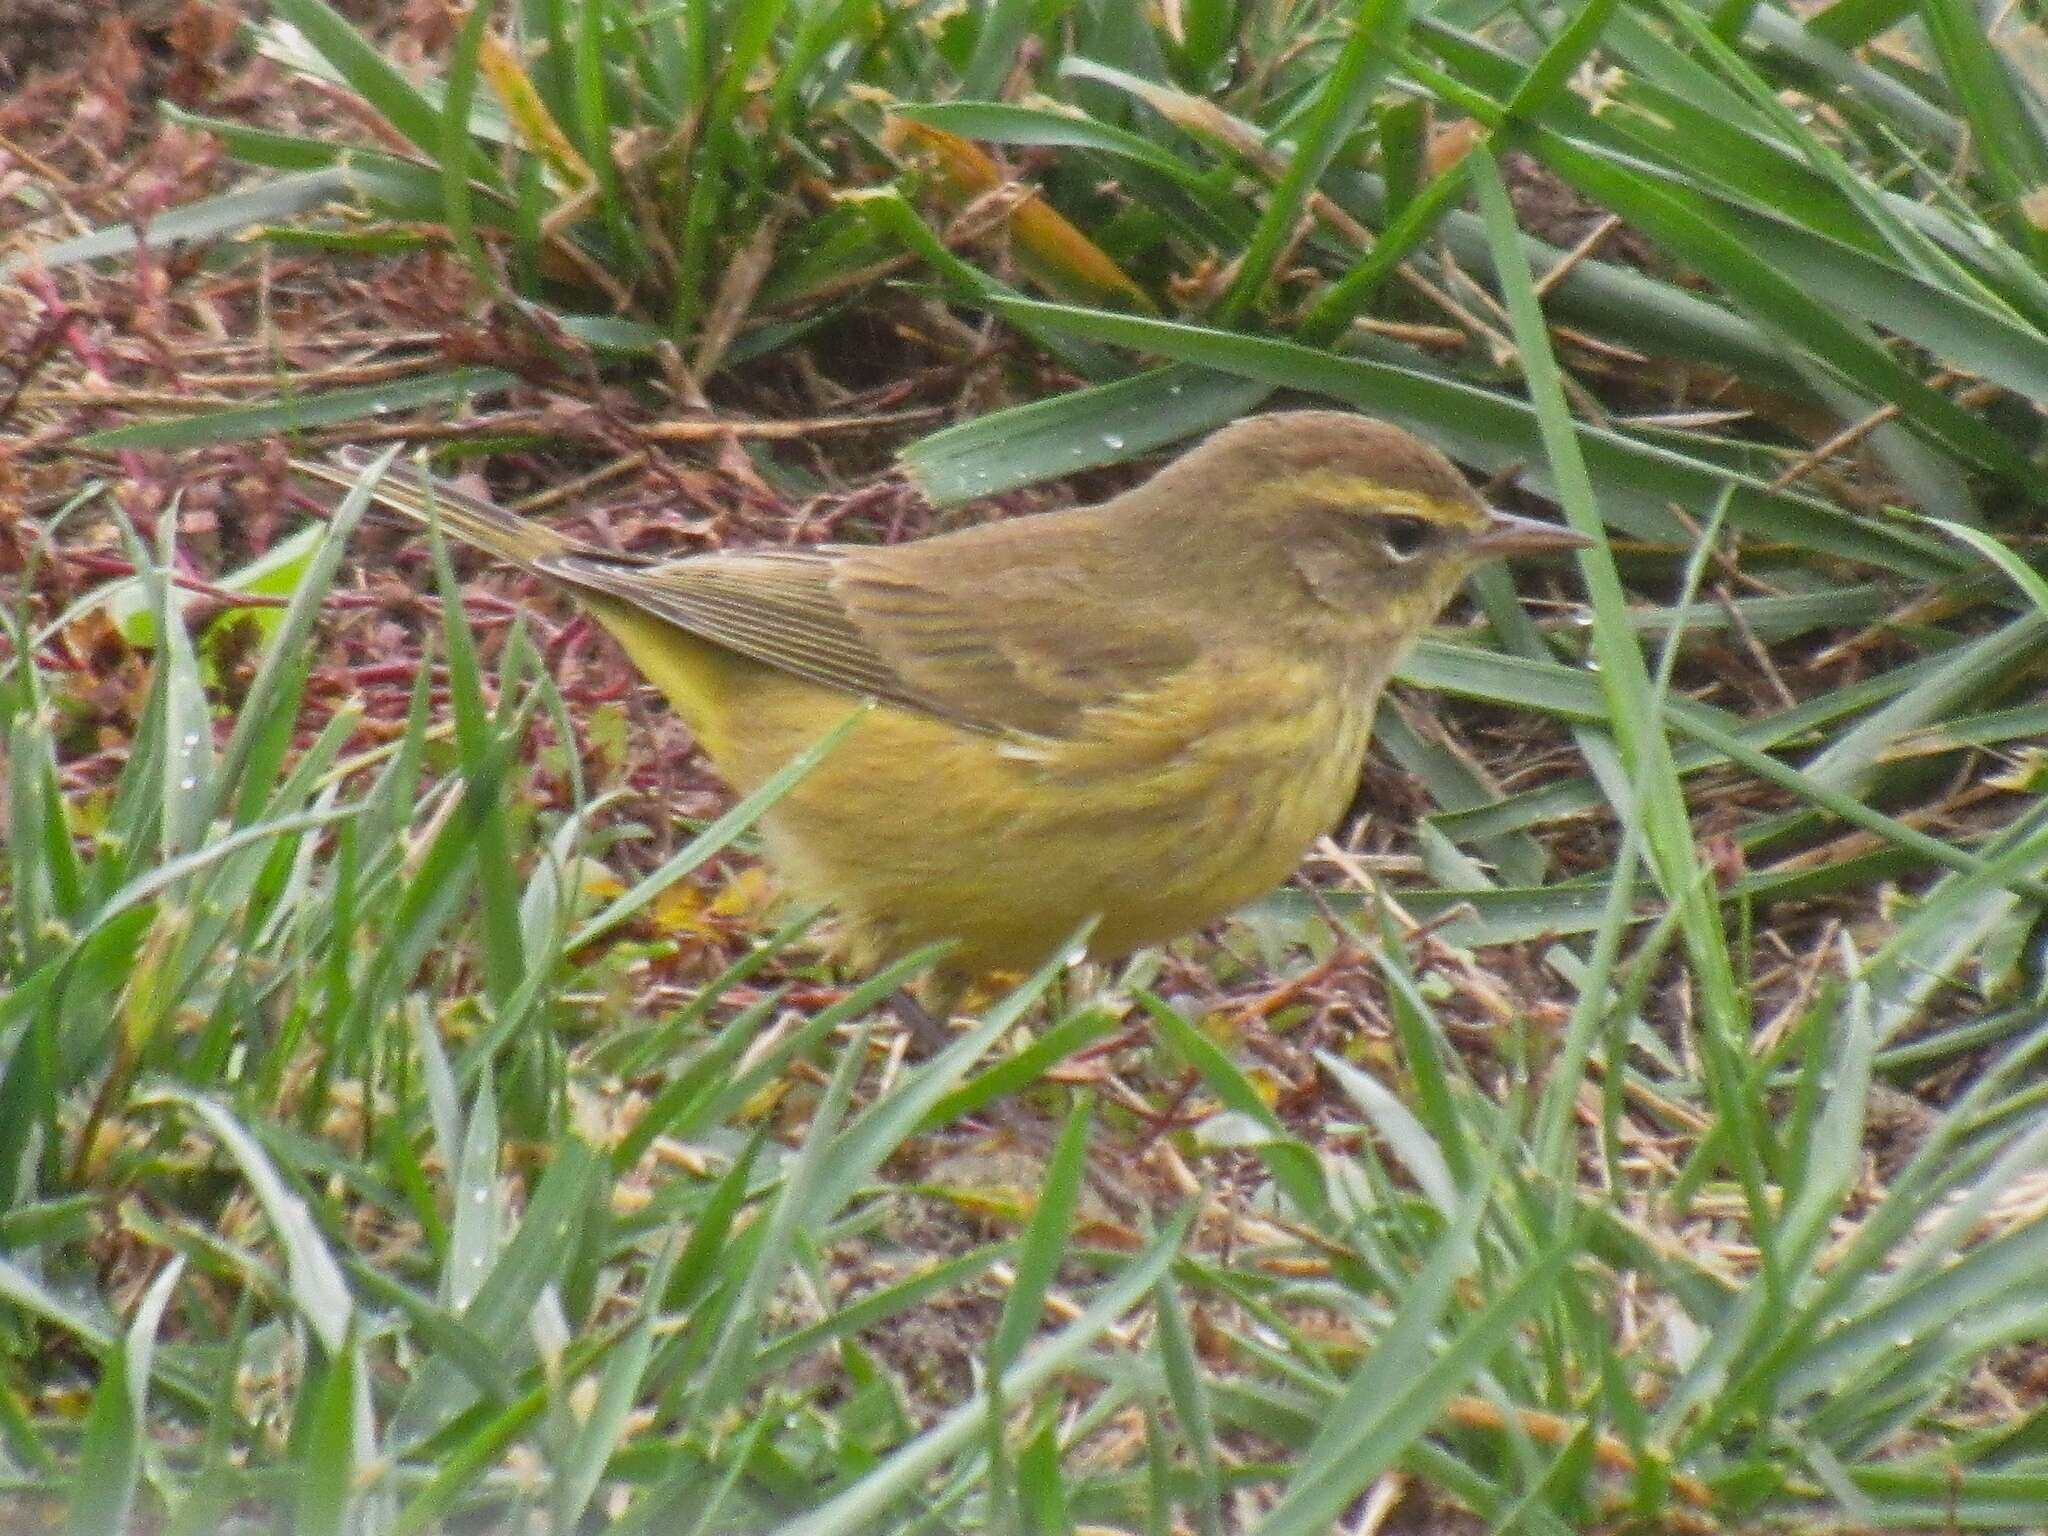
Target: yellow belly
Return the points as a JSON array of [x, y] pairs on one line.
[[1164, 814]]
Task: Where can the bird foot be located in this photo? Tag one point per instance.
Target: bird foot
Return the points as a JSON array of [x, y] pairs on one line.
[[927, 1029]]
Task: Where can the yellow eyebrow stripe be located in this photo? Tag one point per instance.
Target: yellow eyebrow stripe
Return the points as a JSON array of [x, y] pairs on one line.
[[1359, 491]]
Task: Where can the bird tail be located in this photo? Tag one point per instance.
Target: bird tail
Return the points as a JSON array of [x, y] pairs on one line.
[[421, 499]]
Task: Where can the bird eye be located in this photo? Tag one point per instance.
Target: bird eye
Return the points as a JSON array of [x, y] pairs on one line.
[[1404, 536]]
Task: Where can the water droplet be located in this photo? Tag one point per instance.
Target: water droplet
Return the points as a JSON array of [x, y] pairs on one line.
[[1592, 663], [1111, 440], [480, 1195], [191, 740], [1174, 389], [1583, 618], [188, 782]]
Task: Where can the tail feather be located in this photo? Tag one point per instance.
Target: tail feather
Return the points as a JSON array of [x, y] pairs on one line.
[[483, 524]]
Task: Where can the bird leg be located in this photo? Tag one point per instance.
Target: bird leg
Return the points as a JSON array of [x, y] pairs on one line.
[[927, 1030], [927, 1005]]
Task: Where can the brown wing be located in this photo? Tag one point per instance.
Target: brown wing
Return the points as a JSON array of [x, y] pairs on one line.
[[1026, 639], [776, 606], [1019, 626], [968, 627]]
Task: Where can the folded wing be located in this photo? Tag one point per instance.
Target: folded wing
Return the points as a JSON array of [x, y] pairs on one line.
[[977, 632]]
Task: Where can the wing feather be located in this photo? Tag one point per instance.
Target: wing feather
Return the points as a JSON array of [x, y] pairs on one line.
[[1021, 628], [977, 634], [776, 608], [1035, 645]]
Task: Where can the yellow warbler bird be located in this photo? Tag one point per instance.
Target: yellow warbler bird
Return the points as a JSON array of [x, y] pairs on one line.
[[1141, 711]]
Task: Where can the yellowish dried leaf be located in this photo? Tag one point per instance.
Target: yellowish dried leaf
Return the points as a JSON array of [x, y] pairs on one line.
[[680, 909], [537, 127], [1056, 254]]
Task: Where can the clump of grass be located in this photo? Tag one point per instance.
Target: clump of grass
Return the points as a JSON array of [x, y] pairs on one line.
[[328, 1198], [377, 1261]]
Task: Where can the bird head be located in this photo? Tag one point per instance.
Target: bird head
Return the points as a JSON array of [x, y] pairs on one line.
[[1375, 522]]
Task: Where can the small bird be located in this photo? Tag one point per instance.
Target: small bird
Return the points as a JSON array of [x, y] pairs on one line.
[[1140, 712]]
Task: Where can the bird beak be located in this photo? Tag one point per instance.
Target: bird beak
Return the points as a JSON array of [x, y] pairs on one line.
[[1507, 534]]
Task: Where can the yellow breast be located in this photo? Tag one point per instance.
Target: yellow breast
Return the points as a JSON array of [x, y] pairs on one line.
[[1163, 813]]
